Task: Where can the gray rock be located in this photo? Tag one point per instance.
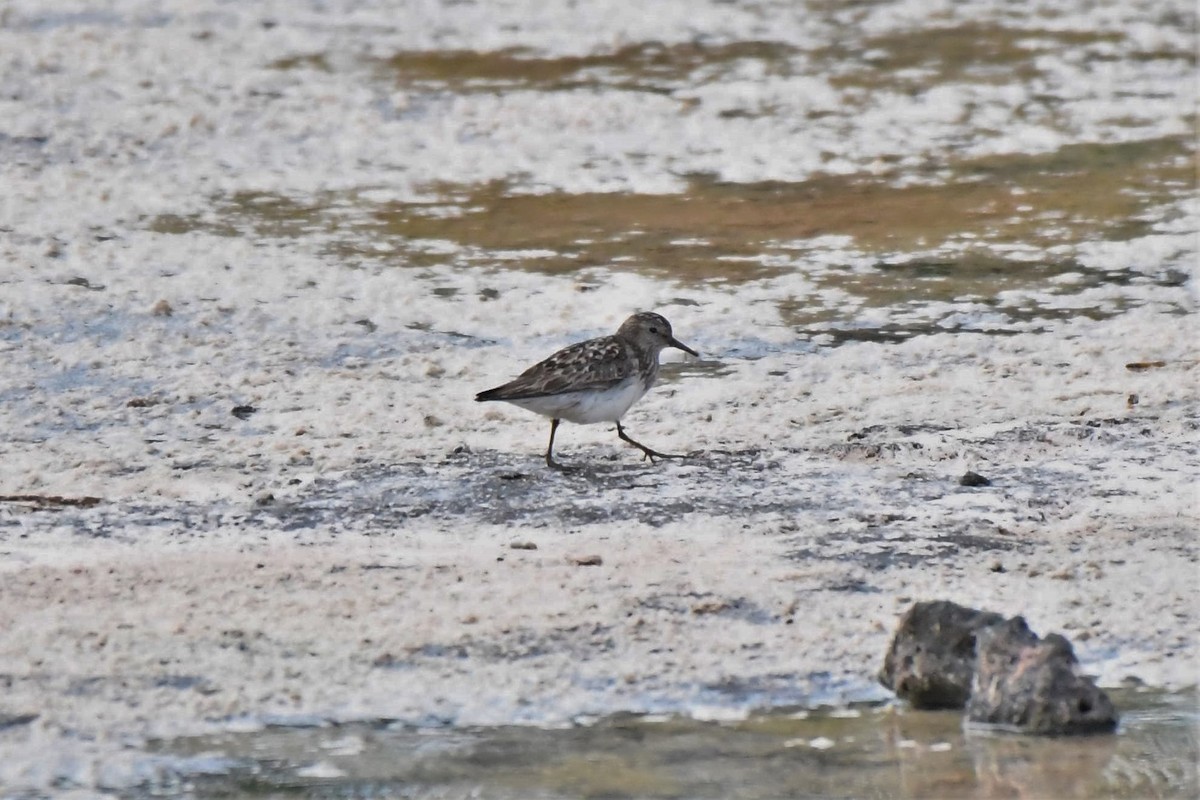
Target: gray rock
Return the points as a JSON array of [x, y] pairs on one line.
[[931, 660], [1034, 685]]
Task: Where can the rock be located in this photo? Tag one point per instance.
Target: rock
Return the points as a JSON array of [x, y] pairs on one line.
[[1034, 685], [932, 656], [586, 561], [970, 478]]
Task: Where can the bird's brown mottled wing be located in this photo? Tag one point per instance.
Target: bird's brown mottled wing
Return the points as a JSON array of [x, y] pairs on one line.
[[591, 365]]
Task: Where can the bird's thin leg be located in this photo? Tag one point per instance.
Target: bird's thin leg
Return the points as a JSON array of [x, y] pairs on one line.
[[648, 452], [550, 462]]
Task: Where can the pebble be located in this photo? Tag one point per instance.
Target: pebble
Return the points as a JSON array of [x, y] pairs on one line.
[[973, 479]]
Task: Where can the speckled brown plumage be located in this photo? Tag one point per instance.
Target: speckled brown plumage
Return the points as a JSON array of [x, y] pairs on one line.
[[594, 381]]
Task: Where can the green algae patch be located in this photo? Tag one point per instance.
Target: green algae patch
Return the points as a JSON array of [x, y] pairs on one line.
[[721, 231], [317, 61], [256, 215], [967, 52], [644, 66]]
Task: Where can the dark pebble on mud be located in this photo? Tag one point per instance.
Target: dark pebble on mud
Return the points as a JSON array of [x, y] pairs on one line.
[[141, 402], [973, 479], [243, 412]]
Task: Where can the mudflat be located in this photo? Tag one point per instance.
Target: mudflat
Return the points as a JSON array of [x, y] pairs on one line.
[[256, 262]]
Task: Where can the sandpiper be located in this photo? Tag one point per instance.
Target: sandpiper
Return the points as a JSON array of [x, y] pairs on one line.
[[594, 381]]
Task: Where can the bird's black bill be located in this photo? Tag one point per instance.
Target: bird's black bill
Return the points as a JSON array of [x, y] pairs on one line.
[[681, 346]]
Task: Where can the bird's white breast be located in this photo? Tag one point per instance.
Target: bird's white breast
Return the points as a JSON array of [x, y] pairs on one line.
[[584, 408]]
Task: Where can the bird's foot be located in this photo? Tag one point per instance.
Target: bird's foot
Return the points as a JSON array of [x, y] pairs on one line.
[[653, 454], [649, 453]]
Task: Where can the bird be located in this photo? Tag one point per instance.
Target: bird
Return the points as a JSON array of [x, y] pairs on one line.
[[594, 381]]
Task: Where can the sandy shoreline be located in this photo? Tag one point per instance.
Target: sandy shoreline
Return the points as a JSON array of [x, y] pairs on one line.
[[134, 621], [214, 207]]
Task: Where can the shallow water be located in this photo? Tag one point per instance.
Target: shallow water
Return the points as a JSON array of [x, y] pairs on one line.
[[935, 233], [865, 751], [259, 257], [988, 229]]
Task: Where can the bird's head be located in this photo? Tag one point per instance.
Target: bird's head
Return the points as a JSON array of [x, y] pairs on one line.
[[651, 331]]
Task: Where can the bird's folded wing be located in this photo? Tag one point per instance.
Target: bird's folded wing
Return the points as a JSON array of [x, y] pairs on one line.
[[587, 366]]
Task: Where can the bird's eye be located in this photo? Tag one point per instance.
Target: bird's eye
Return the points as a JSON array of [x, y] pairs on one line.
[[654, 330]]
